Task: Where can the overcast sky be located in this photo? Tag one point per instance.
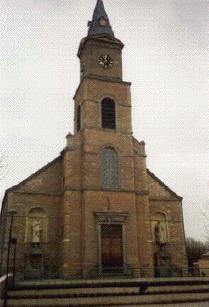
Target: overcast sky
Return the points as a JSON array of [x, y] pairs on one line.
[[165, 58]]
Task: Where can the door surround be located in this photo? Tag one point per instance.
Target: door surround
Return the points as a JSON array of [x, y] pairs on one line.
[[111, 218]]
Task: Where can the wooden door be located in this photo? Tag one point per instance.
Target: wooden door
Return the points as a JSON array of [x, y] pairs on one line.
[[112, 247], [162, 265]]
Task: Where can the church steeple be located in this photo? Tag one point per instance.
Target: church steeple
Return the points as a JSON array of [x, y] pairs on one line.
[[100, 23], [100, 52]]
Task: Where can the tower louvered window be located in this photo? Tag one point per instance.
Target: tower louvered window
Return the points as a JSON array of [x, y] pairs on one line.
[[79, 118], [108, 114], [110, 168]]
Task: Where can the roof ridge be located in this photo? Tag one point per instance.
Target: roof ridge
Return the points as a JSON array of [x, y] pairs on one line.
[[163, 184], [32, 175]]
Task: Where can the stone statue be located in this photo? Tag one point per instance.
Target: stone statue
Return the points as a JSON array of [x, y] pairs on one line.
[[160, 233], [36, 232]]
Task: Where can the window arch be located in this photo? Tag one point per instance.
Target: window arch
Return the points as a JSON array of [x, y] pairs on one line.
[[108, 113], [78, 118], [37, 226], [159, 228], [110, 176]]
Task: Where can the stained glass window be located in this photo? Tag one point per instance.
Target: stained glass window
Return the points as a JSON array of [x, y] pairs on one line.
[[110, 168]]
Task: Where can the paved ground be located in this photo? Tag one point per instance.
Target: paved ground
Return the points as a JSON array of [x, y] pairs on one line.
[[203, 304]]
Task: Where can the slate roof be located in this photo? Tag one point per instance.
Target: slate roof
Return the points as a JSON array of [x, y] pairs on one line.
[[94, 26]]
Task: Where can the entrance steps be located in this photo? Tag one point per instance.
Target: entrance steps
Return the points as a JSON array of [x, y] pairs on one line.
[[111, 292]]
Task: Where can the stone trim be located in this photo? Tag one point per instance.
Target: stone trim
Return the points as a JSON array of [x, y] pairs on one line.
[[38, 193], [106, 79], [105, 129], [143, 193], [111, 217], [162, 199], [105, 39], [104, 96], [95, 77]]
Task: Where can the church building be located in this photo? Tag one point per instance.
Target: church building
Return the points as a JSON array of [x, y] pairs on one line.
[[96, 210]]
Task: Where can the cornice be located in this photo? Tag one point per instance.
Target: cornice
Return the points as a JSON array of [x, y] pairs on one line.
[[100, 78]]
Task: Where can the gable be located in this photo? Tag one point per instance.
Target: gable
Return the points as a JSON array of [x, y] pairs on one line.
[[46, 180], [158, 189]]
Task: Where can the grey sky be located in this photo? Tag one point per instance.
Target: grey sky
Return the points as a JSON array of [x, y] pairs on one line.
[[165, 58]]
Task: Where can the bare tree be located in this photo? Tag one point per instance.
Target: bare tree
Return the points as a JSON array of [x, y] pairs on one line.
[[195, 249], [205, 215]]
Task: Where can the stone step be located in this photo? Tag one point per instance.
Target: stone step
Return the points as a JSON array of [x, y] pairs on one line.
[[138, 300], [200, 304], [87, 292], [124, 282]]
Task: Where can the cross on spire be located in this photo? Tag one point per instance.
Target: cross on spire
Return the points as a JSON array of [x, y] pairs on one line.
[[100, 23]]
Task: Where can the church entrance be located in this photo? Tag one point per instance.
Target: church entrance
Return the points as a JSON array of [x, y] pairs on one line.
[[111, 248], [162, 264]]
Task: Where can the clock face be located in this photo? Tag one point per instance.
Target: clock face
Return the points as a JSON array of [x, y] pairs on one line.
[[105, 61], [103, 22]]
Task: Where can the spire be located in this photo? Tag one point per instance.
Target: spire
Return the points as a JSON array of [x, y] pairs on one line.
[[100, 23]]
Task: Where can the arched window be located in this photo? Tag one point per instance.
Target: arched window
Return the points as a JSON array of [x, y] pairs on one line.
[[159, 228], [110, 175], [37, 226], [108, 114], [78, 118]]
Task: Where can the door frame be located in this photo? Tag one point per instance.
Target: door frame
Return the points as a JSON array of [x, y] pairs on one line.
[[162, 270], [110, 218]]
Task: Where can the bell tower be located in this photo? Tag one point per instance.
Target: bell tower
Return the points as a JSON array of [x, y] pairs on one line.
[[100, 52], [104, 167]]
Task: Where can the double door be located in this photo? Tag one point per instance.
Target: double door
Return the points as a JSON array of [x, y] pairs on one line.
[[111, 247]]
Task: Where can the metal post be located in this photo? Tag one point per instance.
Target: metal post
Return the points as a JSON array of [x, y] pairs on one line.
[[14, 242], [11, 212]]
